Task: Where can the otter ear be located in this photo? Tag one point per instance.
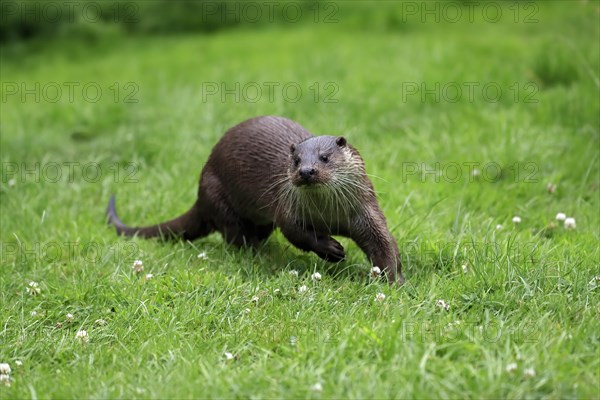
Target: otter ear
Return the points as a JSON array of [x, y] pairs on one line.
[[292, 148], [341, 141]]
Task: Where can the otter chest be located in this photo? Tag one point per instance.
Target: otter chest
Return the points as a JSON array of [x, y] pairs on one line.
[[326, 213]]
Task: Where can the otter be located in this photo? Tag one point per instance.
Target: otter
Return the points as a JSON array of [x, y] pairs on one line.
[[269, 172]]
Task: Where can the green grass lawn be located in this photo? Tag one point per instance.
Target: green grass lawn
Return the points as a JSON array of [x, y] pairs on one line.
[[530, 294]]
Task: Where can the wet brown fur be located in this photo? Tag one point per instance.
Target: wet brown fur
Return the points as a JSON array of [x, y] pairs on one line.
[[251, 184]]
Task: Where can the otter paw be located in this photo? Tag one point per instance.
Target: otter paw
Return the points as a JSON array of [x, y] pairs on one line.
[[330, 249]]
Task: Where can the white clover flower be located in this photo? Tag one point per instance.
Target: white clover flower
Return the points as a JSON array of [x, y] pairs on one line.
[[561, 216], [293, 340], [247, 311], [457, 322], [12, 182], [82, 336], [293, 273], [203, 256], [375, 272], [516, 219], [138, 266], [254, 299], [453, 324], [499, 227], [380, 297], [4, 368], [33, 288], [100, 322], [476, 172], [228, 356], [465, 269], [149, 276], [276, 291], [34, 313], [316, 276], [302, 289], [18, 363], [69, 317], [5, 379], [529, 372], [570, 223], [442, 304], [551, 188], [512, 367], [317, 387]]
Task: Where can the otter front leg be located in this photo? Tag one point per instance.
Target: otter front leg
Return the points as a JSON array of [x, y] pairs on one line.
[[323, 245], [374, 238]]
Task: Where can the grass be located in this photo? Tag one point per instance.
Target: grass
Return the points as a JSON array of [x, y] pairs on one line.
[[530, 295]]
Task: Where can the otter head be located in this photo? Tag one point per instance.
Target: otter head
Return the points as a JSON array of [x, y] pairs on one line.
[[314, 161]]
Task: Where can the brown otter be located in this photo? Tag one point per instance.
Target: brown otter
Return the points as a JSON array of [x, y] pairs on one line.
[[270, 172]]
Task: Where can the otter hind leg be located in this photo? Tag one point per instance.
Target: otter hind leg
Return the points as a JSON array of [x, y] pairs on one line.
[[245, 233], [235, 230], [262, 232]]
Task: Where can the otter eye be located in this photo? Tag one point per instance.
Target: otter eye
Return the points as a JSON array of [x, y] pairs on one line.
[[324, 158]]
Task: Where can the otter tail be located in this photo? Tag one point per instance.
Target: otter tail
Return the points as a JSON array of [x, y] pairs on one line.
[[188, 226]]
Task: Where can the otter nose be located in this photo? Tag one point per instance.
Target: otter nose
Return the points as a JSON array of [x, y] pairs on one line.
[[307, 173]]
